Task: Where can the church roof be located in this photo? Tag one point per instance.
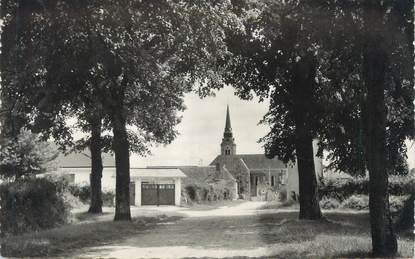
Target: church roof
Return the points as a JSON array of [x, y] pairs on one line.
[[223, 174], [252, 161]]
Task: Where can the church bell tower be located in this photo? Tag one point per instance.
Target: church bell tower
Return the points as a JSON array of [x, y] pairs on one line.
[[228, 146]]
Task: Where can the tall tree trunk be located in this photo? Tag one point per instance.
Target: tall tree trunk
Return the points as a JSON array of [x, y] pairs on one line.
[[303, 87], [309, 200], [375, 61], [95, 147], [122, 163]]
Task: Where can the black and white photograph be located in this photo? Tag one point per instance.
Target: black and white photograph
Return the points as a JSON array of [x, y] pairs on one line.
[[207, 129]]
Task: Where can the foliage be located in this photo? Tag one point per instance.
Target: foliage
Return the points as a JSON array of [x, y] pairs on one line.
[[329, 203], [199, 193], [26, 156], [32, 204], [130, 63], [356, 202], [406, 215], [277, 37], [361, 202], [342, 67], [397, 203], [282, 195], [83, 193], [343, 188], [275, 58]]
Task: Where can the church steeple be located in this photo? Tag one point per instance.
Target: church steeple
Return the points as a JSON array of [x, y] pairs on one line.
[[228, 120], [228, 146]]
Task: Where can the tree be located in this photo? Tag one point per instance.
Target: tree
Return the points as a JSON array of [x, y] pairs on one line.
[[370, 78], [276, 58], [26, 156], [47, 107], [145, 57]]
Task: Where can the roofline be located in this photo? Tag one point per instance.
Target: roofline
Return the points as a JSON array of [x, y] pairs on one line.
[[84, 167], [148, 168], [269, 169]]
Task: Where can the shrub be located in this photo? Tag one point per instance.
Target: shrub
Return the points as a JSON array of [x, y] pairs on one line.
[[198, 193], [282, 195], [191, 191], [343, 188], [396, 203], [357, 202], [361, 202], [32, 204], [406, 215], [108, 198], [329, 203], [83, 193]]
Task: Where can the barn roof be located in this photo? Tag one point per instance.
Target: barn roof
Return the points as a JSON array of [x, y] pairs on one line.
[[196, 174], [156, 172], [83, 160]]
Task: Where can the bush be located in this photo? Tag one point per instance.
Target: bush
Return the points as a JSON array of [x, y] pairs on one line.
[[361, 202], [396, 203], [356, 202], [108, 198], [329, 203], [282, 195], [406, 215], [342, 188], [83, 193], [198, 193], [32, 204]]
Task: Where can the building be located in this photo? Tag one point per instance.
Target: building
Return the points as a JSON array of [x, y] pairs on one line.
[[149, 186], [257, 177]]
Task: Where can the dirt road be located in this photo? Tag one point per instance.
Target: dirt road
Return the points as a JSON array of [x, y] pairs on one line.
[[243, 230], [224, 232]]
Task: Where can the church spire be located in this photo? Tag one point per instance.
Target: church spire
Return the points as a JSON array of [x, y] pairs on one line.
[[228, 146], [228, 126]]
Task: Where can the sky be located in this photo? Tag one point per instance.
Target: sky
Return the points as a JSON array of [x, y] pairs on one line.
[[202, 126], [201, 130]]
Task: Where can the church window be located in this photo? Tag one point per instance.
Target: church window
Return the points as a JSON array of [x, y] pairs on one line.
[[272, 180]]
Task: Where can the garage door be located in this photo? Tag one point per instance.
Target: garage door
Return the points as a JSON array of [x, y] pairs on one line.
[[157, 194]]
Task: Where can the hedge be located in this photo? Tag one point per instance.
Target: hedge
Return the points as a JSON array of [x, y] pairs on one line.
[[32, 204], [329, 203], [343, 188], [361, 202]]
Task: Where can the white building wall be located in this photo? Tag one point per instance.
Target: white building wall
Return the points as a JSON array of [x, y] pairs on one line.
[[82, 176], [137, 192], [178, 191]]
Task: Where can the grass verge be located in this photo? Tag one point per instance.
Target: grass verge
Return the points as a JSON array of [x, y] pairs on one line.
[[63, 239]]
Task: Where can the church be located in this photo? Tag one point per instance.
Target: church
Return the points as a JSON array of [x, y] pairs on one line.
[[258, 177]]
